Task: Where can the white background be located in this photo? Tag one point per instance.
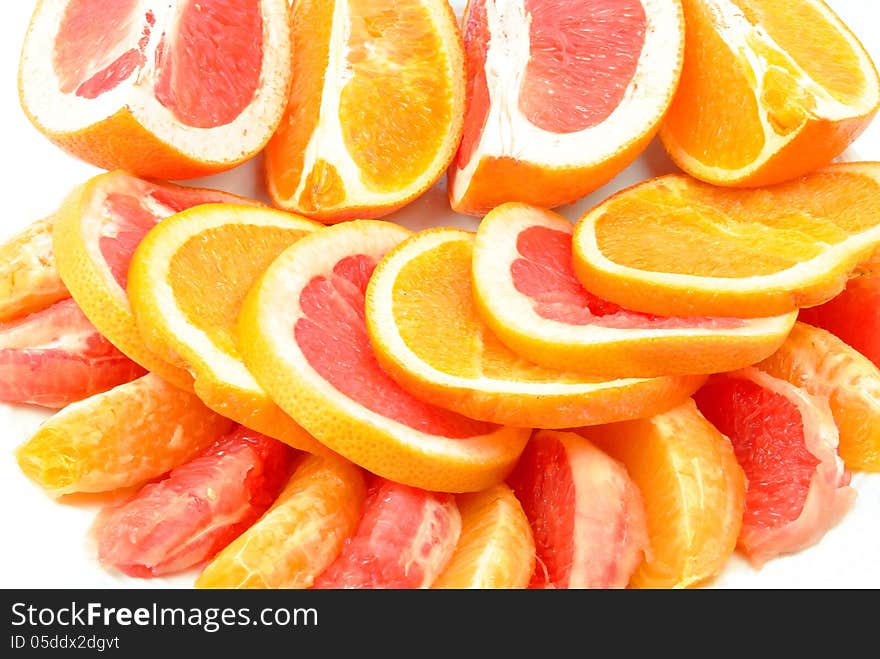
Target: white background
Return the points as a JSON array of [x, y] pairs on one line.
[[44, 542]]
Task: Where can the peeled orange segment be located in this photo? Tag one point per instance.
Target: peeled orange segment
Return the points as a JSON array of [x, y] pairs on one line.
[[527, 293], [56, 356], [770, 90], [300, 535], [427, 334], [302, 334], [692, 487], [495, 548], [186, 283], [561, 95], [675, 246], [375, 111], [163, 89], [197, 509], [786, 442], [586, 513], [126, 436], [96, 232]]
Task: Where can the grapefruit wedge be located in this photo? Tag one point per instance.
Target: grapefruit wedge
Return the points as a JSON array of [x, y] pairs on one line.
[[163, 89], [527, 292], [561, 95]]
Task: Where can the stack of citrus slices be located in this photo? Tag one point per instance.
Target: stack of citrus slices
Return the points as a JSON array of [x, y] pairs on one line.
[[625, 401]]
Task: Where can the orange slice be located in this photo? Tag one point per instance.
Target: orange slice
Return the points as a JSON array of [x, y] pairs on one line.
[[428, 336], [562, 95], [675, 246], [527, 293], [770, 90], [299, 536], [302, 334], [693, 490], [186, 283], [376, 109], [495, 548], [125, 436], [147, 86]]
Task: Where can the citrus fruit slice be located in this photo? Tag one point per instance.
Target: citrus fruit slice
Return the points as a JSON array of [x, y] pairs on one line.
[[405, 539], [527, 293], [561, 96], [586, 513], [125, 436], [496, 548], [96, 232], [375, 111], [824, 366], [427, 334], [197, 509], [303, 335], [675, 246], [786, 442], [300, 535], [693, 491], [186, 283], [149, 87], [29, 281], [770, 90], [56, 356]]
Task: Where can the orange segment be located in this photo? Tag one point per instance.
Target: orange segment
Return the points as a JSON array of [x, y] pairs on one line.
[[693, 490]]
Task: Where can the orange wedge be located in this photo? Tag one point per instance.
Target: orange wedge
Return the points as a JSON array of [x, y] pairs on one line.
[[186, 282], [376, 109], [125, 436], [675, 246], [693, 490], [770, 90], [299, 536], [302, 334], [428, 335], [495, 548]]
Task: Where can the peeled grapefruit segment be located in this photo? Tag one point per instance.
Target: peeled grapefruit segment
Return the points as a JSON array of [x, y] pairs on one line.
[[300, 535], [375, 111], [123, 437], [428, 335], [675, 246], [405, 539], [561, 96], [586, 513], [526, 291], [786, 442], [163, 89], [303, 335], [56, 356], [197, 509]]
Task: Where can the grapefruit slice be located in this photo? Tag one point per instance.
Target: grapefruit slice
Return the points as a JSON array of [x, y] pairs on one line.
[[786, 442], [303, 335], [125, 436], [770, 90], [496, 548], [675, 246], [428, 335], [375, 111], [561, 96], [405, 539], [96, 232], [527, 292], [586, 513], [693, 491], [300, 535], [186, 283], [163, 89], [197, 509]]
